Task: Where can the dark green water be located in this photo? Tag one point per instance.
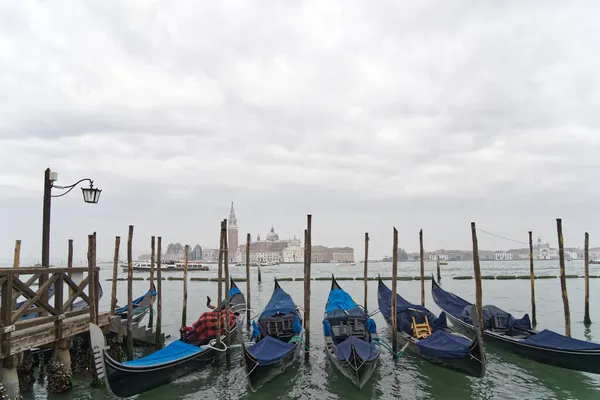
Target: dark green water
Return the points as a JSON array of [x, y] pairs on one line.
[[508, 376]]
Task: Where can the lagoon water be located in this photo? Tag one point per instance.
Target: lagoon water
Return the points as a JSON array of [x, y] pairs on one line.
[[508, 376]]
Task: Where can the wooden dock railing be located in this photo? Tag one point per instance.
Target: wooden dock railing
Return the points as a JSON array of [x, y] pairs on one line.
[[38, 302]]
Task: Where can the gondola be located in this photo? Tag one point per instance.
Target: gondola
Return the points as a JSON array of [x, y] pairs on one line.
[[139, 307], [163, 366], [276, 339], [349, 335], [429, 337], [517, 336]]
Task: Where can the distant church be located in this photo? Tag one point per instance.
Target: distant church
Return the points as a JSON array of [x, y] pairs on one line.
[[232, 235]]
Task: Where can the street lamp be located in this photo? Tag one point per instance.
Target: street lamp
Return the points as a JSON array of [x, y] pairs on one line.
[[90, 195]]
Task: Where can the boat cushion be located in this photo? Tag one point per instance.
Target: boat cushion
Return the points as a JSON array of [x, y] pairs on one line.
[[365, 350], [441, 344], [270, 350], [174, 351], [553, 340]]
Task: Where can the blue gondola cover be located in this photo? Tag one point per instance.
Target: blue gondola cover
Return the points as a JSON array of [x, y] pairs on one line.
[[555, 340], [405, 311], [441, 344], [280, 303], [365, 350], [494, 317], [135, 302], [339, 299], [270, 350], [173, 352]]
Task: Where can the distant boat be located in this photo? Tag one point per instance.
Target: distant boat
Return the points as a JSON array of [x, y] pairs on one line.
[[594, 261], [177, 266], [353, 263], [443, 262]]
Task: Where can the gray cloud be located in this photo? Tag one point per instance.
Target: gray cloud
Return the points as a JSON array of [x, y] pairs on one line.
[[419, 115]]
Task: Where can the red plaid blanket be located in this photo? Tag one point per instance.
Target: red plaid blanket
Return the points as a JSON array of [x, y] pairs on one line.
[[205, 328]]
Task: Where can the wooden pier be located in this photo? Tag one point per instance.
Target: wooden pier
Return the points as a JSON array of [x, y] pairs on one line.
[[45, 318]]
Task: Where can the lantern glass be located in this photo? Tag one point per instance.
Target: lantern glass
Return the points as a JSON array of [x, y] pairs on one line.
[[91, 194]]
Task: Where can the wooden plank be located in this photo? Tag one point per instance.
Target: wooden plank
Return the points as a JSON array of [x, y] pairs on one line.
[[33, 297], [77, 291], [40, 335], [29, 282], [20, 325], [6, 312], [58, 304], [38, 270]]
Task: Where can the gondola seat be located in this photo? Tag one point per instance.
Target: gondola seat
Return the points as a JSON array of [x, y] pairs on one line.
[[421, 331]]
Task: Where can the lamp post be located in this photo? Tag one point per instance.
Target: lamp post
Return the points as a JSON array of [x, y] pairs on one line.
[[90, 195]]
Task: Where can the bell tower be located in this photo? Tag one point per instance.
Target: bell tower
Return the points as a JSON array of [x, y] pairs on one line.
[[232, 235]]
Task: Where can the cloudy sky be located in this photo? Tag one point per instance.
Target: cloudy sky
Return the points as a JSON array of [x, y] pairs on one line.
[[364, 114]]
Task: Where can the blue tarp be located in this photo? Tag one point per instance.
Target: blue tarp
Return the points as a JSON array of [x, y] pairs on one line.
[[339, 299], [441, 344], [135, 302], [405, 311], [365, 350], [494, 317], [174, 351], [553, 340], [270, 350], [280, 303]]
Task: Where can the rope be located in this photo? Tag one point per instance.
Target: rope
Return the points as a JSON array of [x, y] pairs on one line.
[[389, 348], [298, 339], [502, 237], [213, 342]]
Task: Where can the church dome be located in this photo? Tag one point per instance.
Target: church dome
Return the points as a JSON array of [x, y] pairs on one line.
[[272, 236]]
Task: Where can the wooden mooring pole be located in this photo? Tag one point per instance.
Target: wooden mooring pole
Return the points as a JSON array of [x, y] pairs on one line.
[[129, 293], [113, 294], [477, 273], [91, 277], [307, 261], [422, 257], [219, 282], [227, 309], [185, 277], [439, 275], [17, 257], [151, 305], [159, 338], [366, 274], [586, 257], [248, 296], [394, 291], [563, 279], [532, 279], [70, 268]]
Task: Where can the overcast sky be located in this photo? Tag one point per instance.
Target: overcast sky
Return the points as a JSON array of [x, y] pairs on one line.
[[364, 114]]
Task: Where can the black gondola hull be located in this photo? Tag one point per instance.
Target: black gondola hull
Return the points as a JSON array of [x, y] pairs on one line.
[[126, 382], [471, 365], [258, 374], [586, 361], [356, 369]]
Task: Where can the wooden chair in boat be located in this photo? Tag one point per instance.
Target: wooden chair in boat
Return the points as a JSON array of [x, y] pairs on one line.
[[421, 331]]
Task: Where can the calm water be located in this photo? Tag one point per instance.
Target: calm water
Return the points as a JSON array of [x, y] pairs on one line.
[[508, 376]]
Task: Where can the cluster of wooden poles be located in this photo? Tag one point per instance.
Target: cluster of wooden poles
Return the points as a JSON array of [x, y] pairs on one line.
[[224, 277]]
